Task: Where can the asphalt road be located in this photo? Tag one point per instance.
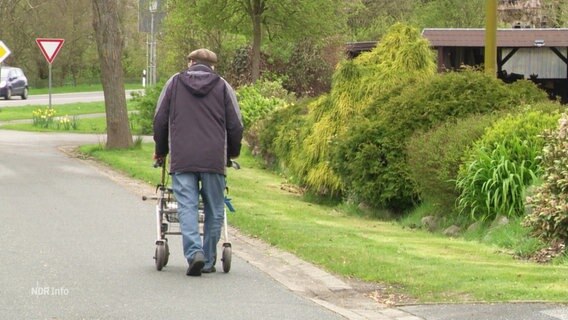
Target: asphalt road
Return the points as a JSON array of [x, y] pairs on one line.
[[77, 245], [56, 99]]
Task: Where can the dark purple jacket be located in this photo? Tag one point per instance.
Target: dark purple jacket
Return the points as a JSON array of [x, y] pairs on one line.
[[198, 121]]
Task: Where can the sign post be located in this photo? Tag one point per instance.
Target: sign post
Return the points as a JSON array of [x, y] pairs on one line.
[[150, 16], [49, 49]]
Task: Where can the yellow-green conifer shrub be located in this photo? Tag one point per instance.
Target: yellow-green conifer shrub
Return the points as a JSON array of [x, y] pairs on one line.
[[310, 151], [279, 136], [401, 55]]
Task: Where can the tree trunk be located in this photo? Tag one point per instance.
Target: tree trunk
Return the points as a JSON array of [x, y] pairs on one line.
[[109, 44], [256, 16]]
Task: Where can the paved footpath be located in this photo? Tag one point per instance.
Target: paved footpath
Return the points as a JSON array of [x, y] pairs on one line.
[[109, 274]]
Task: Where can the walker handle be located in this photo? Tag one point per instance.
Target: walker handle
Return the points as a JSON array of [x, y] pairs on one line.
[[234, 164], [159, 162]]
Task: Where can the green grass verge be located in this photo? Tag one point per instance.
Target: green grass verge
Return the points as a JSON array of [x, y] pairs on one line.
[[425, 266], [80, 88], [25, 112], [84, 125], [96, 124]]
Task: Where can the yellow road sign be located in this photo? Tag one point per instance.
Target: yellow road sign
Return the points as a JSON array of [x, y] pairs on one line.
[[4, 51]]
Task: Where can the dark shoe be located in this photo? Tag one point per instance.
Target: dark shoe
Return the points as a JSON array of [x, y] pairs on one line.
[[196, 265], [209, 270]]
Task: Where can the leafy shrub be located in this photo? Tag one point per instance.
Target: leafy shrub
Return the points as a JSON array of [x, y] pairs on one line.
[[548, 217], [371, 157], [524, 91], [501, 165], [258, 100], [273, 88], [434, 158], [275, 137], [145, 105], [255, 101]]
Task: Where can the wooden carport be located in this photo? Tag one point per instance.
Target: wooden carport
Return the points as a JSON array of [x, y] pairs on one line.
[[538, 54]]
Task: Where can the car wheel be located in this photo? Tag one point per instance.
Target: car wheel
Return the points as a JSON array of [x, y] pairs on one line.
[[25, 94], [8, 95]]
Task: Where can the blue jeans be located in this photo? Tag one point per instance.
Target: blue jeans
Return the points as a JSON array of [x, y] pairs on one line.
[[186, 188]]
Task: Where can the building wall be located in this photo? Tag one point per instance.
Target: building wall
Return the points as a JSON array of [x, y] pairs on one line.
[[536, 61]]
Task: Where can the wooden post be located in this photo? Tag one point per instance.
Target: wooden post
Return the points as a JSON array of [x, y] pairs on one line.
[[491, 37]]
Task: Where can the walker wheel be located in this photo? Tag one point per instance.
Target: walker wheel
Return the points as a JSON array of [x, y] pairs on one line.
[[226, 257], [161, 255], [167, 253]]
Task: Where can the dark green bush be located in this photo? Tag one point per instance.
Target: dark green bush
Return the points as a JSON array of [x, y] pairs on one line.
[[371, 157], [434, 158], [499, 167], [548, 214], [239, 70], [308, 73], [145, 106]]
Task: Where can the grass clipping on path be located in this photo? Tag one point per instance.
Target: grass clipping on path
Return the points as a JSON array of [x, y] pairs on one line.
[[426, 267]]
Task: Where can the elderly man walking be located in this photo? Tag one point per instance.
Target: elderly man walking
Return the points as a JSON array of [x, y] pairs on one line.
[[198, 122]]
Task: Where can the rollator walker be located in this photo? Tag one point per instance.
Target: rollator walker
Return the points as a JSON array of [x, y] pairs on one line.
[[167, 221]]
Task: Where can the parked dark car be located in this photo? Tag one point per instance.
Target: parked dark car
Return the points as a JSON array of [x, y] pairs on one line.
[[13, 82]]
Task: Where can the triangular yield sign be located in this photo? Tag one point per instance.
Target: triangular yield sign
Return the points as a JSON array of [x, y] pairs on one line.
[[4, 51], [50, 47]]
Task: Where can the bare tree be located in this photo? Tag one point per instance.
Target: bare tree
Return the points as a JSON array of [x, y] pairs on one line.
[[108, 34]]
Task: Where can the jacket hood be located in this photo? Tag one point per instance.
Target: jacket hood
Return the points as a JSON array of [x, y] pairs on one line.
[[199, 79]]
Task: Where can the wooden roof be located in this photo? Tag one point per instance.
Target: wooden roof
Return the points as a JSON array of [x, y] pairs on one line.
[[355, 48], [506, 38]]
